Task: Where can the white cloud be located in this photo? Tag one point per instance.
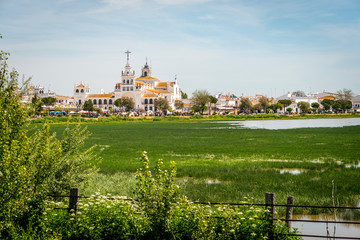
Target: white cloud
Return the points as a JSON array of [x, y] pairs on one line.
[[122, 3], [177, 2], [114, 5], [206, 17], [342, 33]]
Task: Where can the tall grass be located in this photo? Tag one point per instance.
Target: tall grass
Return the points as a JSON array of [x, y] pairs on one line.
[[229, 164]]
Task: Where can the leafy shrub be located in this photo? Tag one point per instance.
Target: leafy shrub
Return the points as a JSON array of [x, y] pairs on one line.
[[159, 213], [157, 195], [97, 218]]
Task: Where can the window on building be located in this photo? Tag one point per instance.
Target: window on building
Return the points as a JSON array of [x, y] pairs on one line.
[[94, 101], [79, 101], [77, 90], [132, 81], [151, 101], [151, 108], [145, 74], [127, 89], [127, 81], [146, 108], [124, 88], [110, 101], [82, 90], [105, 101], [124, 81], [146, 101], [131, 89]]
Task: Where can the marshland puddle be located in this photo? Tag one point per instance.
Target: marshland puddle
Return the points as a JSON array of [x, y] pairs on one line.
[[292, 123], [215, 181], [355, 165], [310, 228], [292, 171]]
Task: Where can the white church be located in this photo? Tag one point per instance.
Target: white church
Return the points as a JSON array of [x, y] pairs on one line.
[[143, 90]]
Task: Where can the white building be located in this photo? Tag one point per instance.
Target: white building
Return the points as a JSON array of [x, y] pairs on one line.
[[295, 100], [143, 90], [356, 103]]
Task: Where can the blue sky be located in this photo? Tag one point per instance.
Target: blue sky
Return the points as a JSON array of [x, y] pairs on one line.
[[243, 47]]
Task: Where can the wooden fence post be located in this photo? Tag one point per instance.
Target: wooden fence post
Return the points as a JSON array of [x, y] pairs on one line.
[[289, 210], [270, 205], [74, 199]]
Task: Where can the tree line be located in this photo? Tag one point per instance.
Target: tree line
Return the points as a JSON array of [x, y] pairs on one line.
[[202, 100]]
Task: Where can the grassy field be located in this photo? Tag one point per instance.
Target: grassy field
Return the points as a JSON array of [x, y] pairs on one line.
[[216, 163]]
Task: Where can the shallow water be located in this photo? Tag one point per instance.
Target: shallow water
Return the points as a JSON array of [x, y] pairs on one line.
[[292, 171], [320, 229], [295, 123]]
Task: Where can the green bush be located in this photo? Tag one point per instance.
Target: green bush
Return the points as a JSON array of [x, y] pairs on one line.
[[158, 213], [97, 218]]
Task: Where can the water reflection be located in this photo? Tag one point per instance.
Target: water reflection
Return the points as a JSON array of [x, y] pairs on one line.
[[295, 123]]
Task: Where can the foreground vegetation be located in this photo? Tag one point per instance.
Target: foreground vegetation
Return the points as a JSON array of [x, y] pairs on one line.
[[159, 213], [219, 163]]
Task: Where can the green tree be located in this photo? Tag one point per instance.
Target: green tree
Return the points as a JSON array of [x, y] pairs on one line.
[[126, 102], [179, 104], [327, 104], [184, 95], [276, 106], [213, 100], [315, 105], [285, 102], [88, 106], [98, 110], [14, 149], [200, 98], [257, 107], [36, 105], [344, 99], [48, 101], [264, 103], [336, 106], [304, 106], [289, 110], [162, 104], [32, 167], [245, 104]]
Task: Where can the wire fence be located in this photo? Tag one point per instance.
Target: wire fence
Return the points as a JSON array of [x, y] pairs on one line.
[[269, 204]]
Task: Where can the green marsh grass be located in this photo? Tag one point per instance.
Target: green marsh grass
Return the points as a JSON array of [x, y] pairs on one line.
[[225, 165]]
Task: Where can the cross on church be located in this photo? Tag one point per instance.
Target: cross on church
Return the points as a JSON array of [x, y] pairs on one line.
[[127, 53]]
